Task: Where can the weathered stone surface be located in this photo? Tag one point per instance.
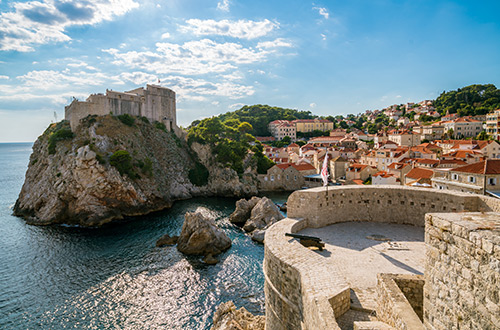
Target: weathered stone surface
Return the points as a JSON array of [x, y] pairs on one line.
[[167, 240], [210, 260], [264, 213], [76, 185], [227, 317], [243, 210], [258, 235], [201, 236]]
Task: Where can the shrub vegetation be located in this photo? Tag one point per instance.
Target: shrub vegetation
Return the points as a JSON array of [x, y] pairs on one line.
[[127, 119]]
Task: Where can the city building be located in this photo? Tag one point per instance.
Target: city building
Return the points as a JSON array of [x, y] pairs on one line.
[[309, 125], [493, 124], [479, 178], [281, 128]]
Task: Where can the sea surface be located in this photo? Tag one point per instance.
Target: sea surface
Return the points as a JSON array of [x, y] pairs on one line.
[[58, 277]]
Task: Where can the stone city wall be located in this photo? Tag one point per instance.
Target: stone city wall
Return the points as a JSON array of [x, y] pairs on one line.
[[299, 296], [462, 273], [402, 205], [303, 293], [400, 300]]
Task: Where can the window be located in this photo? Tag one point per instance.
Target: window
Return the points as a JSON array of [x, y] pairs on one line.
[[454, 177], [265, 178], [272, 177], [287, 177], [472, 179], [492, 181], [295, 178]]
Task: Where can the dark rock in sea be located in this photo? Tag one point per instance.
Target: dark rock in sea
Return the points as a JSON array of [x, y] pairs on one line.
[[227, 317], [258, 235], [201, 236], [210, 260], [167, 240], [264, 214], [243, 210]]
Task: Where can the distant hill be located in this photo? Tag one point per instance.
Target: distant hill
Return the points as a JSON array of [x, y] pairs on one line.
[[469, 101], [259, 116]]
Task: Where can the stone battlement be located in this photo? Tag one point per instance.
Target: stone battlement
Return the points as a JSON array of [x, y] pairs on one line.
[[461, 265], [155, 103]]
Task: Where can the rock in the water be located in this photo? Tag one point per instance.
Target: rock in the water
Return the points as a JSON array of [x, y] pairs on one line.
[[201, 236], [265, 213], [243, 210], [227, 317], [210, 260], [258, 235], [167, 240]]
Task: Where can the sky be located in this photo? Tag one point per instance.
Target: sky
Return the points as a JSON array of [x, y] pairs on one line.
[[329, 57]]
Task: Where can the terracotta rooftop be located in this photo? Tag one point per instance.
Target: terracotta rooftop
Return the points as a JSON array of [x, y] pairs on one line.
[[488, 166], [419, 173]]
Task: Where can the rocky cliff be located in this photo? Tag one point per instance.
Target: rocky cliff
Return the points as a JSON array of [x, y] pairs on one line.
[[107, 170]]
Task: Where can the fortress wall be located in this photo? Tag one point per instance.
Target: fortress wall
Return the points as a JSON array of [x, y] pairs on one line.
[[78, 110], [462, 268], [298, 296], [462, 273], [398, 295], [393, 204]]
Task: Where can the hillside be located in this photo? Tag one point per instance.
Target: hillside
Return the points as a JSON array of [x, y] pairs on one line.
[[109, 169], [259, 116], [469, 101]]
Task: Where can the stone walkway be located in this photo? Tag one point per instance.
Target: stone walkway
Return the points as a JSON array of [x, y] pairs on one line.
[[361, 250]]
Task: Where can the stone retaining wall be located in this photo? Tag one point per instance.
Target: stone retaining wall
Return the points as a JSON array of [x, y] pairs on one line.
[[398, 295], [462, 273], [302, 292]]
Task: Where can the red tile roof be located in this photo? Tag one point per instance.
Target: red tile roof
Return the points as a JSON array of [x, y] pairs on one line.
[[419, 173], [488, 166]]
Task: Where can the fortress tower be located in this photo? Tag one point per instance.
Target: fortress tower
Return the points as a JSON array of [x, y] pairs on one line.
[[155, 103]]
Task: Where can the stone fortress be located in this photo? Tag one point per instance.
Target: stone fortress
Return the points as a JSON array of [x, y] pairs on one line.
[[155, 103], [437, 268]]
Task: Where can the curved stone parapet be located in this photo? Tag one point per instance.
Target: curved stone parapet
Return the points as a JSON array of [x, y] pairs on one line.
[[392, 204], [304, 292]]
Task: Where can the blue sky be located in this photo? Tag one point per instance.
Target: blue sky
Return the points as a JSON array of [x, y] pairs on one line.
[[330, 57]]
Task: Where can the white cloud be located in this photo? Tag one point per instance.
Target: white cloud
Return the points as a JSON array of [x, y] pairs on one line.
[[42, 22], [166, 35], [243, 29], [323, 36], [216, 103], [312, 105], [322, 11], [4, 77], [139, 78], [280, 42], [223, 5], [191, 58], [235, 106]]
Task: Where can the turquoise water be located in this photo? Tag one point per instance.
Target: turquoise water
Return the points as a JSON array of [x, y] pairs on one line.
[[114, 277]]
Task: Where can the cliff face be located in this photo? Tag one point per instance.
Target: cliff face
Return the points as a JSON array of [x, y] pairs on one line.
[[70, 179]]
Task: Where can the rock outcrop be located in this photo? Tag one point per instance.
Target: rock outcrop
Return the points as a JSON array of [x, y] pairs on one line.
[[243, 210], [227, 317], [70, 179], [167, 240], [264, 214], [201, 236], [256, 215]]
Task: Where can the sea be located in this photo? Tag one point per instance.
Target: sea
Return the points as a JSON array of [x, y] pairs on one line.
[[113, 277]]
